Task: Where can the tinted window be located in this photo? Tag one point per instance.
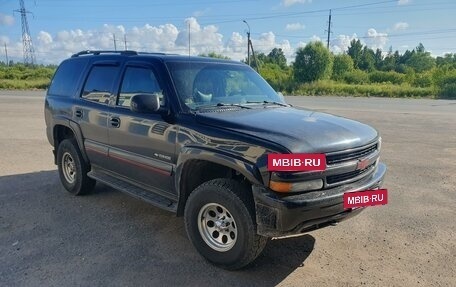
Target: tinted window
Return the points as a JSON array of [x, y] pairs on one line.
[[67, 77], [211, 84], [99, 83], [138, 80]]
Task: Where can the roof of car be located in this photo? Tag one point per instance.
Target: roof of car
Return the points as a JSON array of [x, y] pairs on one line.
[[162, 56]]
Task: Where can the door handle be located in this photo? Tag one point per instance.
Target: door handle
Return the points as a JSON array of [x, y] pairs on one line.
[[115, 122], [78, 113]]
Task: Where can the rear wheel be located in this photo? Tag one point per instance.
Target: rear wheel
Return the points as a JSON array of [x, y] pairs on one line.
[[73, 169], [220, 222]]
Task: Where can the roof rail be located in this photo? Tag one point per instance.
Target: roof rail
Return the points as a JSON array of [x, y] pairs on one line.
[[154, 53], [98, 52]]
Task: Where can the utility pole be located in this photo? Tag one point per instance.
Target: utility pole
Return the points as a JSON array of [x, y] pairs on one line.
[[248, 42], [329, 29], [189, 43], [115, 43], [125, 41], [6, 53], [27, 46], [257, 66]]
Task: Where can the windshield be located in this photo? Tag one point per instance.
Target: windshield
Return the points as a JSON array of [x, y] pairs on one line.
[[218, 84]]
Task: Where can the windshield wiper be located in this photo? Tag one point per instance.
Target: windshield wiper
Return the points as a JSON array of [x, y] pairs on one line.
[[269, 103], [223, 105], [232, 105]]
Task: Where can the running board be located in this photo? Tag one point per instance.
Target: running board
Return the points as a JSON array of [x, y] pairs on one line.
[[133, 190]]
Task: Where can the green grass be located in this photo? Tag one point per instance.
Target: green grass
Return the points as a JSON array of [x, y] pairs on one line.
[[20, 77], [15, 84], [363, 90]]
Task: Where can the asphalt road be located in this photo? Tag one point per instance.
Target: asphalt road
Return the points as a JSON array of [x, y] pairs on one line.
[[50, 238]]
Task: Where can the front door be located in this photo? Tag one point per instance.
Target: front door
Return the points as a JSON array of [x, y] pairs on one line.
[[142, 146]]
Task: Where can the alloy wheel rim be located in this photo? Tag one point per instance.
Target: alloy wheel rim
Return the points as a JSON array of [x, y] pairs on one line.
[[217, 227]]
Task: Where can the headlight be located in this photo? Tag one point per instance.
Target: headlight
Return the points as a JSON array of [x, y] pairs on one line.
[[284, 187]]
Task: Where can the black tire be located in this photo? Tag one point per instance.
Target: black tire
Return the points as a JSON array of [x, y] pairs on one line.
[[236, 202], [73, 169]]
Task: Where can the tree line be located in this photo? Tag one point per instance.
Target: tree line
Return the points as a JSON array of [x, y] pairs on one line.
[[359, 71], [413, 73]]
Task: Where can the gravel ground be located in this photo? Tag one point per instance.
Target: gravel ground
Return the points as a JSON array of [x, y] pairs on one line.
[[50, 238]]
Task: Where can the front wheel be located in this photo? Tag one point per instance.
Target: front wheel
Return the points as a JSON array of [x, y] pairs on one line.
[[220, 222]]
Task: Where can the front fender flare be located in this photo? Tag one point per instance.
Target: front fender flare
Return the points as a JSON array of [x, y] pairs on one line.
[[248, 169]]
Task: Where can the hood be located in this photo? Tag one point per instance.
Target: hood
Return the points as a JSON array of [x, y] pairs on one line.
[[298, 130]]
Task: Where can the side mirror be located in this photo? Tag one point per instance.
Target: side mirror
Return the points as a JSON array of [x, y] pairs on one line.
[[145, 103]]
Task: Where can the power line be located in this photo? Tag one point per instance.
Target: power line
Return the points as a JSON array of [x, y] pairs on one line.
[[28, 50]]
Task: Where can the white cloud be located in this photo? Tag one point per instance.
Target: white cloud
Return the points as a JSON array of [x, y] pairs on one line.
[[4, 40], [295, 26], [315, 38], [375, 39], [403, 2], [202, 39], [341, 43], [288, 3], [6, 20], [236, 46], [372, 39], [51, 48], [200, 13], [44, 38], [400, 26], [301, 44], [267, 41]]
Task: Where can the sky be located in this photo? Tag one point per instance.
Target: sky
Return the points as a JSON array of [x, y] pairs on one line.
[[60, 28]]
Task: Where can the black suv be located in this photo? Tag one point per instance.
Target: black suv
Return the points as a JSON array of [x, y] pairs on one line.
[[192, 135]]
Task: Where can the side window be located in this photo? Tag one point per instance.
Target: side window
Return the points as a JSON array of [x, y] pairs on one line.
[[99, 83], [138, 80], [66, 78]]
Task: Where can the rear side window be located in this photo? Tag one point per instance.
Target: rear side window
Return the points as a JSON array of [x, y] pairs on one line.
[[66, 78], [99, 83]]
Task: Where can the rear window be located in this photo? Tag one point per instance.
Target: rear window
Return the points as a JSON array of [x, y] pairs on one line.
[[99, 84], [66, 78]]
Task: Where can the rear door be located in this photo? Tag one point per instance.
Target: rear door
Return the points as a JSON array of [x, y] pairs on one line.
[[142, 146], [92, 111]]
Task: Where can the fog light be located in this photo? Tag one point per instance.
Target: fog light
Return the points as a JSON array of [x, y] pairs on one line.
[[285, 187]]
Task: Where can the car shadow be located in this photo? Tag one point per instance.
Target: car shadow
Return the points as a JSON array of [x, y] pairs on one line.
[[114, 239]]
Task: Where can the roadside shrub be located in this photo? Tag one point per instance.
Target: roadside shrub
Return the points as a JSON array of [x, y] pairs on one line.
[[422, 80], [7, 84], [356, 77], [342, 64], [386, 77], [279, 78], [20, 76], [447, 86], [377, 90], [448, 91]]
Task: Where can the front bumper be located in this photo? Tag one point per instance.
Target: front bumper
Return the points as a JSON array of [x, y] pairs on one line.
[[278, 215]]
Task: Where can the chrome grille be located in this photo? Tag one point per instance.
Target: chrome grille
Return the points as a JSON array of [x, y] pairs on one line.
[[345, 165], [351, 155], [348, 175]]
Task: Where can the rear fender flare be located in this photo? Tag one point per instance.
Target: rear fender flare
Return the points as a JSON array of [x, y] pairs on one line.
[[74, 127]]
